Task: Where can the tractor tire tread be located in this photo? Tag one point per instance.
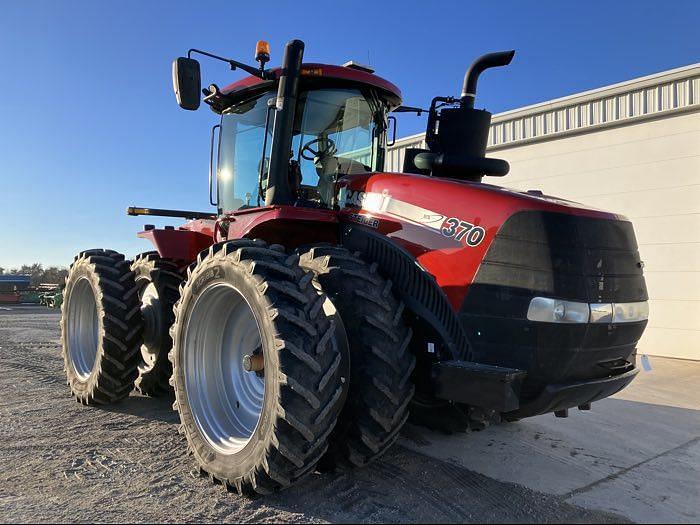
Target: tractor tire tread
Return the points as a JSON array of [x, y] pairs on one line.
[[309, 402], [379, 391], [119, 333], [166, 276]]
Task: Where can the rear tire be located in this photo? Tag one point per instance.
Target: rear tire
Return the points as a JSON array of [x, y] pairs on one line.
[[381, 362], [158, 281], [101, 327], [260, 432]]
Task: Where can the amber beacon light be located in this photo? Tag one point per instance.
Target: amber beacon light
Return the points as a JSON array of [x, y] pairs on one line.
[[262, 52]]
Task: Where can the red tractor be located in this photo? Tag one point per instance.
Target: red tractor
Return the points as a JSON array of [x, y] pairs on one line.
[[325, 299]]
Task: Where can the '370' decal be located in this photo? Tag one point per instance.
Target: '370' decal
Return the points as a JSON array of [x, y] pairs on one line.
[[463, 231]]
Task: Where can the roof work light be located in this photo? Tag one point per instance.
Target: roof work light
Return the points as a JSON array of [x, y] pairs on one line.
[[262, 53]]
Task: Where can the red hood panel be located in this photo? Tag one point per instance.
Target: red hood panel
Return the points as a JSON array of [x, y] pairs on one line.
[[448, 225]]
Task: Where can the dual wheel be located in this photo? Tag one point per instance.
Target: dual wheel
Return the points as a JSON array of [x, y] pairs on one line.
[[115, 325], [280, 363]]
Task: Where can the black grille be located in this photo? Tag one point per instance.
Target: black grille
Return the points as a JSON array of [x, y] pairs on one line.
[[566, 256], [561, 256]]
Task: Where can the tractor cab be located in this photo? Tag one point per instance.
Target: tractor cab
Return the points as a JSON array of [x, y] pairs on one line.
[[337, 131], [286, 135]]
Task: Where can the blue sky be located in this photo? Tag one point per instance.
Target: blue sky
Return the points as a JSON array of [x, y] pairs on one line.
[[89, 123]]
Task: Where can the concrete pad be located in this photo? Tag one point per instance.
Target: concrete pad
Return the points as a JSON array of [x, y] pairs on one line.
[[671, 382], [640, 429], [662, 490]]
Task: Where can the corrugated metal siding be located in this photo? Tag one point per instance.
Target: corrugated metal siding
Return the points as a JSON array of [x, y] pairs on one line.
[[395, 154], [605, 110], [647, 97]]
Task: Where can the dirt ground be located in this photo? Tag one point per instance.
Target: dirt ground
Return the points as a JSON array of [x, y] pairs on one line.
[[62, 462]]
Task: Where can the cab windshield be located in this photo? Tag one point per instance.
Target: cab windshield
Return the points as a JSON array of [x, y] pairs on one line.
[[337, 132]]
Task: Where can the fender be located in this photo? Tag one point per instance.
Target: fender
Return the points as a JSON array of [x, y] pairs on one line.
[[413, 284], [287, 225], [179, 244], [290, 226]]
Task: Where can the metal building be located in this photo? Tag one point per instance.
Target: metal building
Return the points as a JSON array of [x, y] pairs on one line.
[[632, 148]]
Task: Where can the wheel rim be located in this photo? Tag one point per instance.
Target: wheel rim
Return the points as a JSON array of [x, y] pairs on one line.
[[153, 323], [226, 400], [83, 328]]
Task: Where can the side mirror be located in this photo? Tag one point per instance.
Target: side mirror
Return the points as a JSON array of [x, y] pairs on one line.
[[187, 83], [389, 120]]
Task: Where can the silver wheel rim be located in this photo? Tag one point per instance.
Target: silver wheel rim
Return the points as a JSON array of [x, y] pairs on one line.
[[225, 400], [153, 324], [83, 328]]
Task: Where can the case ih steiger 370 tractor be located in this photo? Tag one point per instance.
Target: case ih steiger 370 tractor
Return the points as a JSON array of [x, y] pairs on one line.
[[325, 299]]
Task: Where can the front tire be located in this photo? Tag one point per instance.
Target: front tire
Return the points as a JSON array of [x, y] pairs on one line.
[[381, 362], [247, 304], [101, 327]]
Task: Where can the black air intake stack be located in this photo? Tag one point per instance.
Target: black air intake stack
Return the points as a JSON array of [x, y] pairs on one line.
[[457, 133]]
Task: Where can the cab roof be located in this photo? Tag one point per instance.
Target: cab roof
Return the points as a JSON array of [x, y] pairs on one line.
[[321, 71]]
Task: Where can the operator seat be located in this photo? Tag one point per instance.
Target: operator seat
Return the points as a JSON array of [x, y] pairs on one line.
[[329, 168]]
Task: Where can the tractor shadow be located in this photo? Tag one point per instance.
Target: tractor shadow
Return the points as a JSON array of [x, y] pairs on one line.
[[626, 460], [148, 408], [406, 487]]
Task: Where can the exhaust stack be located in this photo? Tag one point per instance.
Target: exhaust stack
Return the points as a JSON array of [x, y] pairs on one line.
[[481, 64], [457, 134], [278, 190]]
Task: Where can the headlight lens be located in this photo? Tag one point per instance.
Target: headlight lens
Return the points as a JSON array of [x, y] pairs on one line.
[[630, 312], [547, 310]]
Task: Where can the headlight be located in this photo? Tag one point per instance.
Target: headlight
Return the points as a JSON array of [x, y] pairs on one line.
[[547, 310], [630, 312]]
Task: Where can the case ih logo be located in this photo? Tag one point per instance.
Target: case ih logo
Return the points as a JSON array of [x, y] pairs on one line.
[[353, 198]]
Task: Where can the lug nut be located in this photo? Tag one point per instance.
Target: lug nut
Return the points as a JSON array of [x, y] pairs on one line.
[[254, 363]]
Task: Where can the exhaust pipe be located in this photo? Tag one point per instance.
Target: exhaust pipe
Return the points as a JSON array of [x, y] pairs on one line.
[[481, 64], [278, 190]]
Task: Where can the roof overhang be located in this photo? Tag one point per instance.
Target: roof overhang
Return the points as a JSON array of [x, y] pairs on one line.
[[317, 73]]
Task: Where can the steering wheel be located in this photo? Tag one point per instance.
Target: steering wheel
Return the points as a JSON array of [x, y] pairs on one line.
[[324, 148]]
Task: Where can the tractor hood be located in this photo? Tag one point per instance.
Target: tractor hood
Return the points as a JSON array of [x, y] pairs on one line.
[[447, 225], [507, 278]]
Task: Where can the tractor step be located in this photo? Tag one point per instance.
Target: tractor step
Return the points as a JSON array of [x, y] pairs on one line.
[[477, 384]]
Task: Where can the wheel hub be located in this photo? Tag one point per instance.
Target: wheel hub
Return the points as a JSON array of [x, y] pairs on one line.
[[83, 328], [225, 399]]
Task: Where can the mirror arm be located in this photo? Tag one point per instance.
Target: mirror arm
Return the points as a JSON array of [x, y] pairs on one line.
[[409, 109], [255, 71]]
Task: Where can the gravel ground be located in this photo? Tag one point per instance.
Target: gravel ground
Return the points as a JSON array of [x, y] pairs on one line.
[[62, 462]]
